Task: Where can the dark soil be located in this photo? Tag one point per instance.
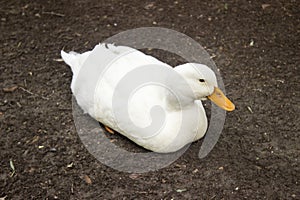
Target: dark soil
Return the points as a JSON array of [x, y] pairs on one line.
[[255, 46]]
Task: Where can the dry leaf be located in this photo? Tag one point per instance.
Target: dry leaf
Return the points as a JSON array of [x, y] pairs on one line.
[[10, 89], [134, 176], [109, 130], [87, 179], [113, 140], [70, 165], [12, 166], [31, 170], [3, 198], [35, 139], [149, 6], [251, 43], [180, 166], [264, 6]]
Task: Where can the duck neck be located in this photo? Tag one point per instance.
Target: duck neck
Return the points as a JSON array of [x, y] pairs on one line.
[[175, 102]]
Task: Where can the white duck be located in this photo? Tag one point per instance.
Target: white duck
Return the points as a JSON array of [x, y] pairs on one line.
[[179, 124]]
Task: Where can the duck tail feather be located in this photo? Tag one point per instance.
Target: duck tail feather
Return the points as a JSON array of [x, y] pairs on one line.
[[74, 60]]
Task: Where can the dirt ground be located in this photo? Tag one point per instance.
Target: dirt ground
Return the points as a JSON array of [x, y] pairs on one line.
[[255, 44]]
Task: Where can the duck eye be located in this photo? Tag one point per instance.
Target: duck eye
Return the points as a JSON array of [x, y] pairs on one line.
[[201, 80]]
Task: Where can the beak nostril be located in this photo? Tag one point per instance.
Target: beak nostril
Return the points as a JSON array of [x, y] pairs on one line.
[[218, 94], [221, 100]]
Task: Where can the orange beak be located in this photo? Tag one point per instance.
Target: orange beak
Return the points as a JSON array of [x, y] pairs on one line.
[[221, 100]]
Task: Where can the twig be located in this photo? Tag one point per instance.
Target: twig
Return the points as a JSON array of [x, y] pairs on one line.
[[46, 98], [58, 60], [26, 90], [54, 13]]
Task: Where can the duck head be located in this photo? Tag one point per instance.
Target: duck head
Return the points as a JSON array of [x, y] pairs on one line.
[[203, 82]]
